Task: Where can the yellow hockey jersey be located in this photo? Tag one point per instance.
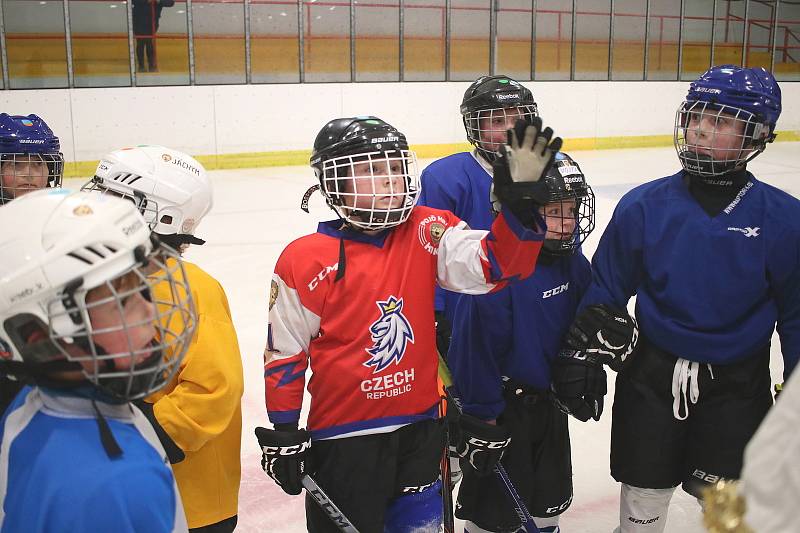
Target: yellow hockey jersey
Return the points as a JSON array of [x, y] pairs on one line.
[[200, 409]]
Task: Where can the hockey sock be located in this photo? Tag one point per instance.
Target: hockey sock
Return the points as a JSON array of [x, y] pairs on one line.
[[643, 510]]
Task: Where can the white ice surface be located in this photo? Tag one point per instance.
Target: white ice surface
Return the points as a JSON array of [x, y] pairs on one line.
[[256, 214]]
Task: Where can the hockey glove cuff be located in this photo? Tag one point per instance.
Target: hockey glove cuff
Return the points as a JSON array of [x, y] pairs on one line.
[[519, 167], [606, 334], [578, 385], [481, 445], [443, 333], [285, 457]]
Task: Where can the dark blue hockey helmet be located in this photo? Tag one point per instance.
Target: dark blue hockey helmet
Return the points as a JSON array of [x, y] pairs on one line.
[[27, 142], [749, 96]]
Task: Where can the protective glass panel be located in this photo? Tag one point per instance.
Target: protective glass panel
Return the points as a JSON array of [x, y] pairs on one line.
[[274, 42], [759, 34], [787, 45], [100, 52], [377, 40], [664, 35], [592, 28], [553, 39], [424, 27], [327, 40], [469, 39], [161, 42], [729, 33], [35, 44], [514, 38], [627, 61], [219, 50], [696, 52]]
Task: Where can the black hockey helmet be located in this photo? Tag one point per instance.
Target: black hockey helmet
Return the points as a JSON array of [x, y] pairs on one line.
[[490, 97], [565, 181], [343, 144]]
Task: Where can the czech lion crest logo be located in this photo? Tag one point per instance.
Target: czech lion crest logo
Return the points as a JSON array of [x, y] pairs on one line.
[[390, 334]]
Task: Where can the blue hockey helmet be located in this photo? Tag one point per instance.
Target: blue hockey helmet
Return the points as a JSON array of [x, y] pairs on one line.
[[747, 95], [26, 140]]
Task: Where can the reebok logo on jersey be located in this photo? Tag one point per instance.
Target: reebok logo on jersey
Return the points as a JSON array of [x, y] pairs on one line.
[[555, 290], [748, 231], [390, 334]]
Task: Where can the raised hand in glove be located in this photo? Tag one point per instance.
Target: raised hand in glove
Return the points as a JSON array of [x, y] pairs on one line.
[[519, 167], [606, 334], [285, 457], [481, 444], [578, 385]]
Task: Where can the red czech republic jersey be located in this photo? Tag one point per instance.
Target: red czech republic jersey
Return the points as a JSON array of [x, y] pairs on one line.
[[369, 335]]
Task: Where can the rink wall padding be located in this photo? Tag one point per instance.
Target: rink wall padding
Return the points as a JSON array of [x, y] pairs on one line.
[[238, 126]]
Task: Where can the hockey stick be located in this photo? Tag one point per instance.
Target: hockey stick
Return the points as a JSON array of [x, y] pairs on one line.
[[448, 519], [325, 503], [525, 517]]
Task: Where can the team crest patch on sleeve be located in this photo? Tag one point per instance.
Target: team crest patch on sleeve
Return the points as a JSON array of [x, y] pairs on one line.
[[390, 334], [431, 230], [273, 294]]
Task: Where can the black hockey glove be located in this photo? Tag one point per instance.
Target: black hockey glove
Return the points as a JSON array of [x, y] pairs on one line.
[[443, 333], [481, 445], [174, 453], [605, 334], [285, 457], [519, 168], [578, 385]]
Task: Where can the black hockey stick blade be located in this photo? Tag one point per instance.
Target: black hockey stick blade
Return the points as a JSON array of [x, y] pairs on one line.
[[325, 503]]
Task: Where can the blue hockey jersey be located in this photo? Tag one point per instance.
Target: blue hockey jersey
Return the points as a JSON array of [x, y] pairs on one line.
[[515, 332], [55, 475], [458, 183], [709, 289]]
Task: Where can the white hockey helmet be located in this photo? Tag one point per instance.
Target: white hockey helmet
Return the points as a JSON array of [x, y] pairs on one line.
[[170, 188], [67, 245]]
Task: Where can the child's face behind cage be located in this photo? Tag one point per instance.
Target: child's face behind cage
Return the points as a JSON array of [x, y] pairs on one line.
[[716, 133], [122, 322], [376, 183], [23, 174], [493, 125], [560, 218]]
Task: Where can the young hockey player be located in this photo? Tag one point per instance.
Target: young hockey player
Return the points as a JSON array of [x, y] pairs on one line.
[[30, 159], [713, 256], [461, 183], [30, 156], [491, 105], [78, 319], [198, 413], [503, 353], [355, 302]]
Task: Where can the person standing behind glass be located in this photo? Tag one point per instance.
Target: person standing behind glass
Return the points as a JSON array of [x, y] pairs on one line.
[[145, 25]]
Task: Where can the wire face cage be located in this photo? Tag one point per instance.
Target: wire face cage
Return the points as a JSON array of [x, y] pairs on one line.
[[372, 190]]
